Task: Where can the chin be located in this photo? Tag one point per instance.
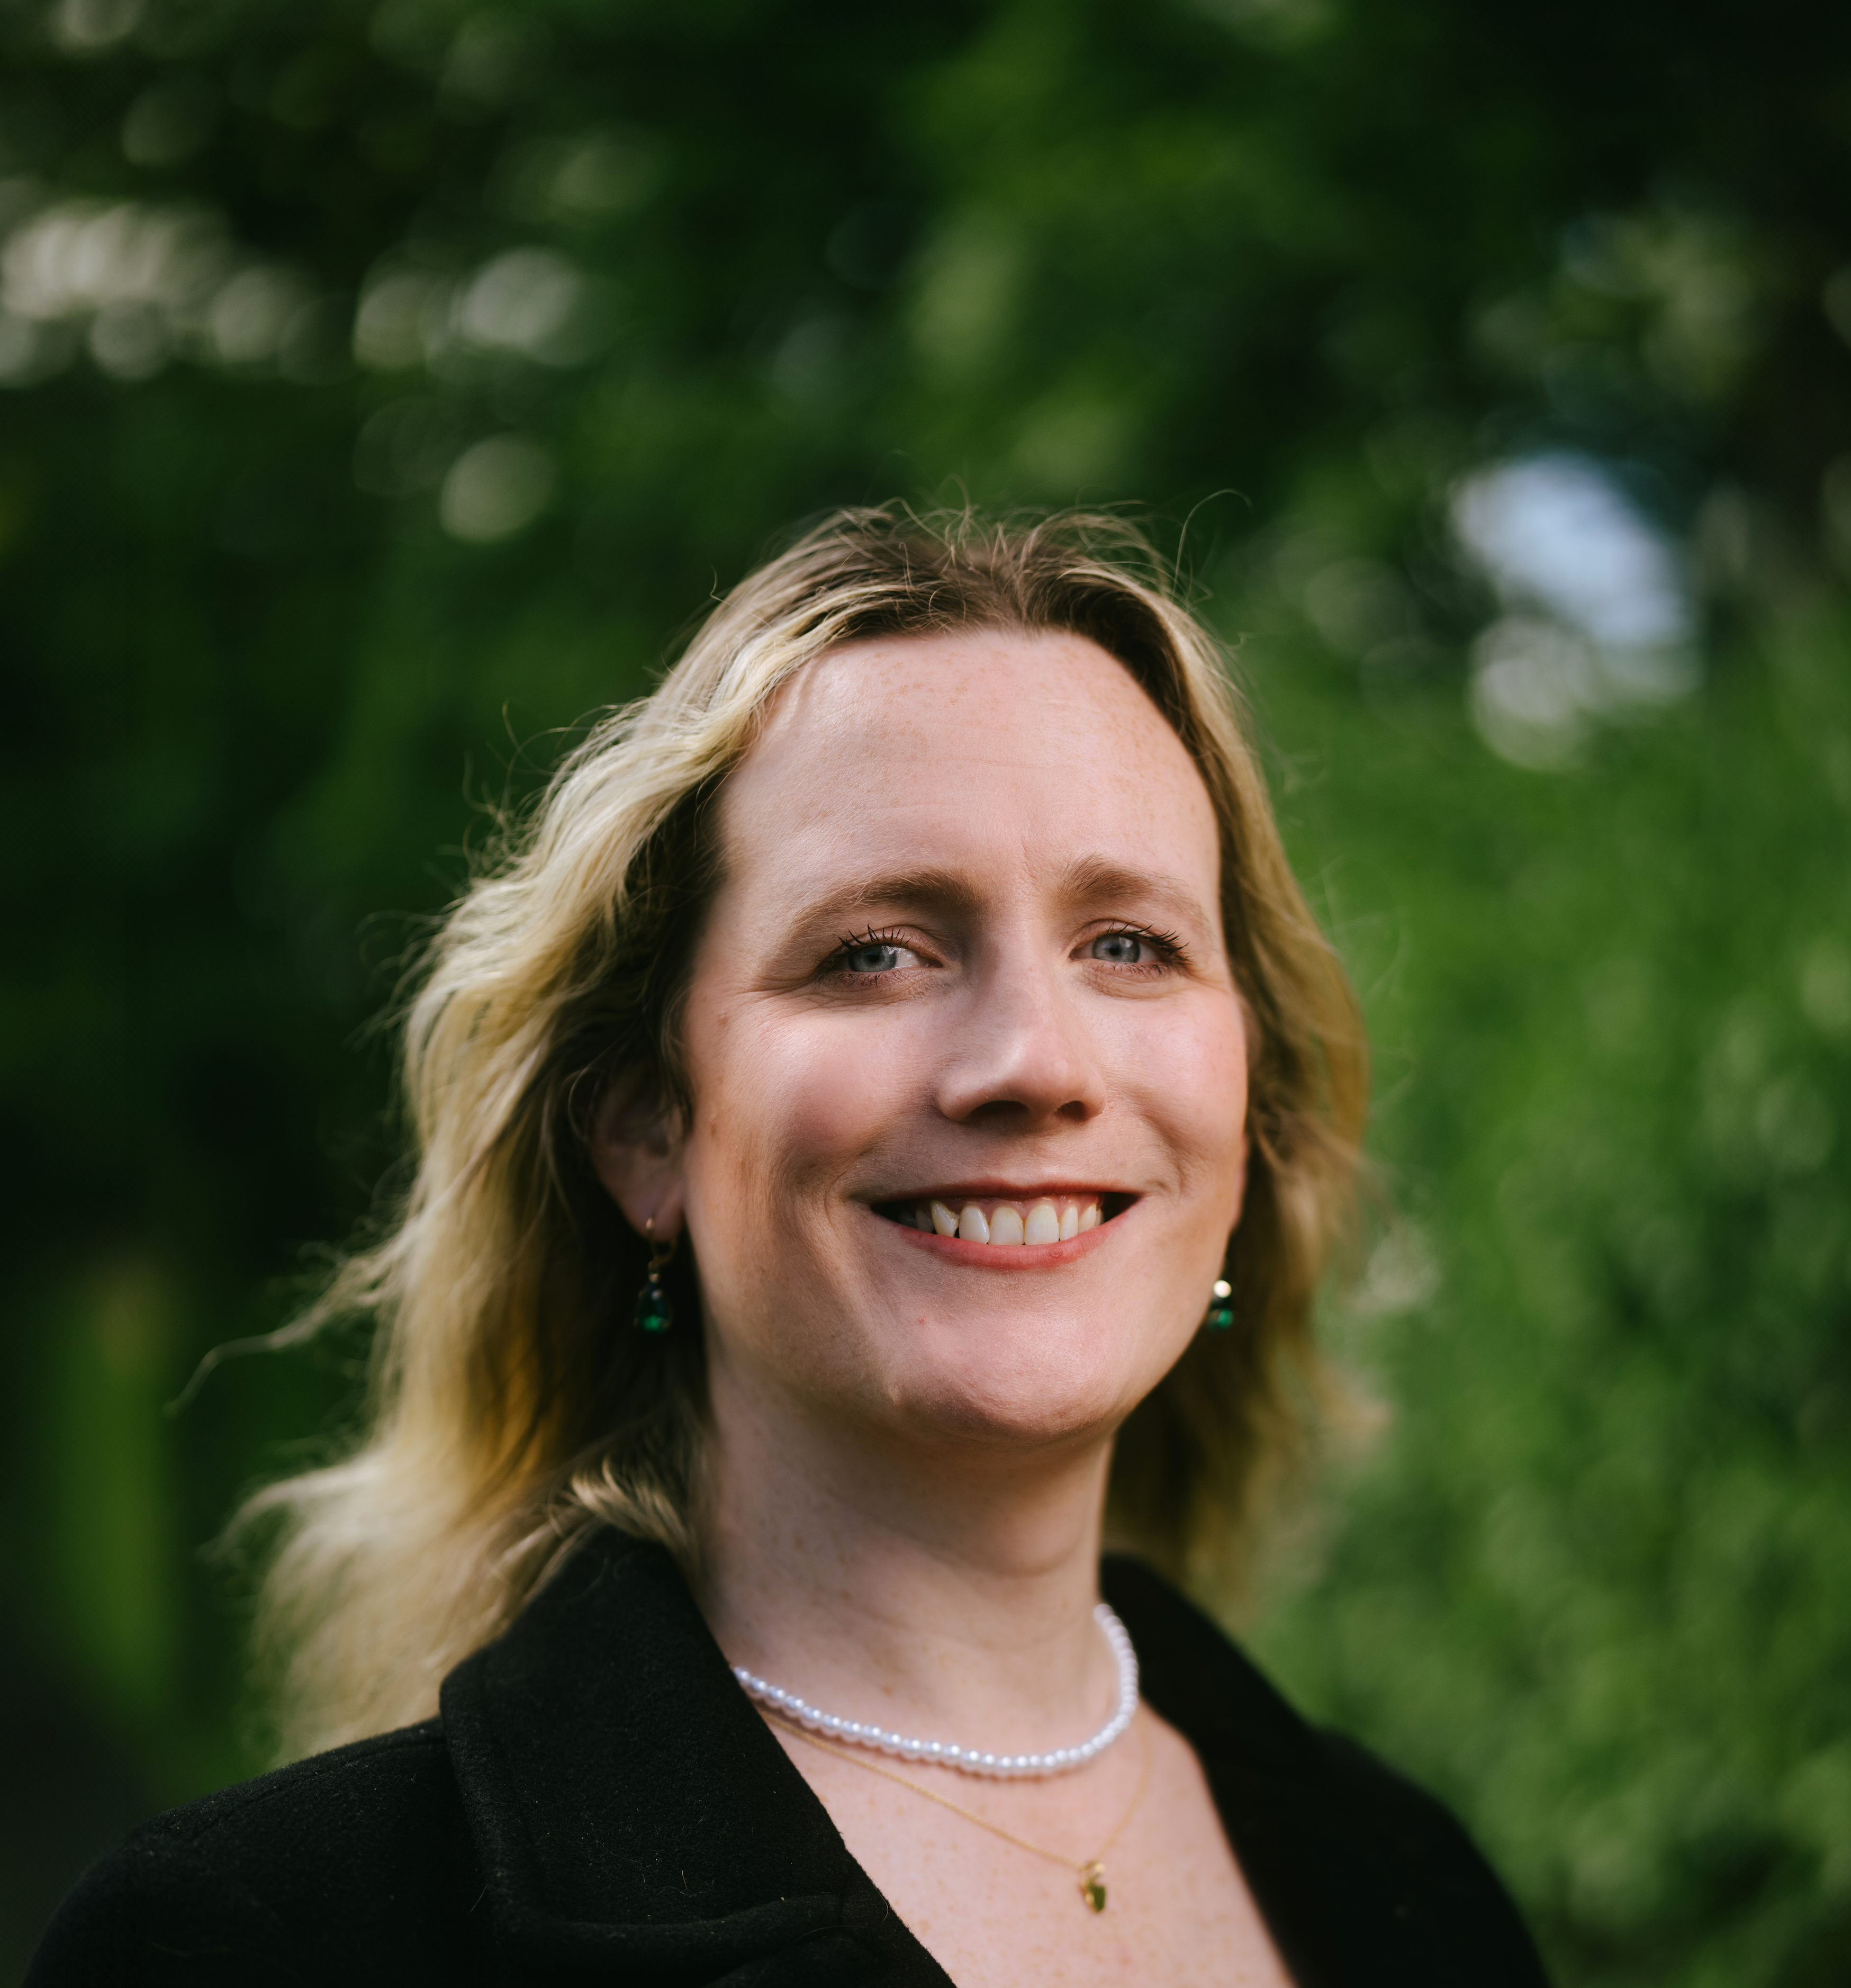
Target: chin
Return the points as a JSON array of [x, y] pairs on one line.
[[1030, 1393]]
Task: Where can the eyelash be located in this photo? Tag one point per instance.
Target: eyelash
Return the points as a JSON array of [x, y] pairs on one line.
[[854, 942], [1169, 944]]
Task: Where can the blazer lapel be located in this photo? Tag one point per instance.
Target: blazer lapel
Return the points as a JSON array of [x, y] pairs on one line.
[[1362, 1878], [631, 1812]]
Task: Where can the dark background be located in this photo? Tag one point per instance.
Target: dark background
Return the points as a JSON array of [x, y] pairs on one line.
[[383, 389]]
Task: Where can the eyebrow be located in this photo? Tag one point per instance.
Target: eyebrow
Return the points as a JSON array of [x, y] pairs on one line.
[[940, 889], [1088, 879]]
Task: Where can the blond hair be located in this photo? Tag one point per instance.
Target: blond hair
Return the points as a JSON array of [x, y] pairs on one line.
[[510, 1405]]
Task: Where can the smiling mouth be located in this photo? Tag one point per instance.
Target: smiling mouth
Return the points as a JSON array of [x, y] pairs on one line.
[[992, 1219]]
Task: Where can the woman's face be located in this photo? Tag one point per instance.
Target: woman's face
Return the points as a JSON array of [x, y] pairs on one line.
[[965, 970]]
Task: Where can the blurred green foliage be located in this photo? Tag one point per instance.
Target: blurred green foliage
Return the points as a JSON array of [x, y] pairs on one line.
[[384, 388]]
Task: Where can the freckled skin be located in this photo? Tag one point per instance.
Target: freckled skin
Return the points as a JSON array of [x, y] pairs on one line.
[[1002, 761], [968, 937], [1178, 1912]]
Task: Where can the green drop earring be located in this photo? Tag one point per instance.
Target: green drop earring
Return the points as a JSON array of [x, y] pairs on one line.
[[1220, 1311], [654, 1311]]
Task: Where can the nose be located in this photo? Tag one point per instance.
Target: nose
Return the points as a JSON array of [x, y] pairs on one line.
[[1021, 1052]]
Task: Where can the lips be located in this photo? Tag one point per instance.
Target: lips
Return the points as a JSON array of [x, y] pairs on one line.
[[1006, 1221]]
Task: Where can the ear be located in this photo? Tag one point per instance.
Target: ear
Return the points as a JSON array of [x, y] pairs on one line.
[[636, 1147]]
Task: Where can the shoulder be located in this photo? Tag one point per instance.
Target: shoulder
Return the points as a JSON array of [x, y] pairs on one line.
[[355, 1864], [1363, 1874]]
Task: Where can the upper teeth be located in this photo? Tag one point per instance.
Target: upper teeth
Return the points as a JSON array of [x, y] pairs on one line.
[[1007, 1221]]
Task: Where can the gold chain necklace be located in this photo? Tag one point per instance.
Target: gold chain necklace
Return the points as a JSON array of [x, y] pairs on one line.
[[1091, 1871]]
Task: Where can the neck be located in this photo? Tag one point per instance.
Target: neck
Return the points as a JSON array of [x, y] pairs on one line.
[[945, 1596]]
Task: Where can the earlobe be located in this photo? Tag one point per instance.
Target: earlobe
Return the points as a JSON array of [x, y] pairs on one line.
[[635, 1142]]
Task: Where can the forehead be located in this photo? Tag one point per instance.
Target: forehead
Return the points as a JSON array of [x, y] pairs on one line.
[[994, 745]]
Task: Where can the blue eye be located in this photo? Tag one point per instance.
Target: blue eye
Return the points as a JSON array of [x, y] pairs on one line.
[[1122, 948], [877, 956]]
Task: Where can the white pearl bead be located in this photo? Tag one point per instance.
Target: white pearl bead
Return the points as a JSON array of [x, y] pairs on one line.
[[1002, 1765]]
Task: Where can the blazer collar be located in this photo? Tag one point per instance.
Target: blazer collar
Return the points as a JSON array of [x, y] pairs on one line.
[[630, 1808]]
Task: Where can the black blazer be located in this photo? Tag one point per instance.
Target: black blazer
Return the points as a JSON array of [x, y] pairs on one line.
[[598, 1801]]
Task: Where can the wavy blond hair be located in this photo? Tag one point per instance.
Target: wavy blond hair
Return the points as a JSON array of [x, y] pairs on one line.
[[510, 1403]]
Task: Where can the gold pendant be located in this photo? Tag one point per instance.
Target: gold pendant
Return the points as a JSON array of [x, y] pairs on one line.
[[1092, 1885]]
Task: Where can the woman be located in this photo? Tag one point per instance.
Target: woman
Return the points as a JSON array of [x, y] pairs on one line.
[[880, 1126]]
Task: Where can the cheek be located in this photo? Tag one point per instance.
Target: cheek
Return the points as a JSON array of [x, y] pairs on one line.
[[1194, 1080], [776, 1107]]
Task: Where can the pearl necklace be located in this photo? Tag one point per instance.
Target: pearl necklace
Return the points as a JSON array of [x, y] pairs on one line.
[[942, 1753]]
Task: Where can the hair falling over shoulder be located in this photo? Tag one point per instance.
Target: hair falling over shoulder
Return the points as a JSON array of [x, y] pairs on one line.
[[508, 1405]]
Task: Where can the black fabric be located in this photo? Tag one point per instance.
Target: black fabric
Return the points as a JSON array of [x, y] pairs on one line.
[[599, 1802]]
